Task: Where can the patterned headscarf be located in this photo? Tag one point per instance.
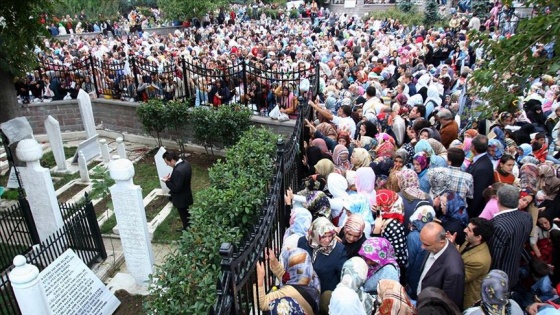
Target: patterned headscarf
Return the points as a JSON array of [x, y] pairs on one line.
[[320, 227], [355, 223], [358, 204], [299, 268], [423, 160], [549, 182], [439, 180], [409, 184], [324, 167], [361, 157], [341, 158], [285, 306], [499, 148], [495, 290], [313, 182], [390, 204], [529, 177], [386, 145], [380, 251], [318, 204], [394, 299], [455, 208], [300, 221], [353, 275], [322, 145], [365, 183], [422, 216]]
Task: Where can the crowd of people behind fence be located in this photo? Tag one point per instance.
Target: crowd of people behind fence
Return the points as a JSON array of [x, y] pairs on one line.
[[407, 207]]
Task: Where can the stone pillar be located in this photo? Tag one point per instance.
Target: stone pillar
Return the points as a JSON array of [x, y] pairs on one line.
[[104, 150], [55, 139], [28, 288], [131, 218], [120, 148], [39, 187]]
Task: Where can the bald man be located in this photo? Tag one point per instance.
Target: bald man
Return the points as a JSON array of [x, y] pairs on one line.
[[443, 268]]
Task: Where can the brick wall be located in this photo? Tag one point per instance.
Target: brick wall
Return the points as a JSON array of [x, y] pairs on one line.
[[115, 116]]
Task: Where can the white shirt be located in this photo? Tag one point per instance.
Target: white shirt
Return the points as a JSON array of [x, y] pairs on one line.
[[346, 121], [431, 260]]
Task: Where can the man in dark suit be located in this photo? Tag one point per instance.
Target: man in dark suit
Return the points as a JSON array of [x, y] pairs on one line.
[[443, 268], [482, 171], [179, 184], [511, 231]]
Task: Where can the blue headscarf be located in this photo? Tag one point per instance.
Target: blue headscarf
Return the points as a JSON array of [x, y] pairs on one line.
[[499, 148]]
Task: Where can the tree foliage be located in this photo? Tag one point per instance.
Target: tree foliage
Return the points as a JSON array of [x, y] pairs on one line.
[[182, 10], [431, 15], [20, 32], [511, 63]]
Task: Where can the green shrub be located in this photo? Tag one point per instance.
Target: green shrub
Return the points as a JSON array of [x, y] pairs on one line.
[[153, 116], [177, 120], [224, 212], [431, 14], [412, 17]]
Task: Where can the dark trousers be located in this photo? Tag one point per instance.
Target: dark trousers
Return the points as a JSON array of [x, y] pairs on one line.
[[185, 216]]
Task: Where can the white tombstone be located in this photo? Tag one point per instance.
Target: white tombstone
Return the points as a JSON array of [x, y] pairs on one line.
[[131, 218], [120, 148], [29, 291], [162, 168], [38, 184], [104, 150], [84, 102], [82, 163], [55, 139], [90, 147]]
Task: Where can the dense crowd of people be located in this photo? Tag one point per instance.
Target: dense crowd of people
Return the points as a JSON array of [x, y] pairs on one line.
[[406, 206]]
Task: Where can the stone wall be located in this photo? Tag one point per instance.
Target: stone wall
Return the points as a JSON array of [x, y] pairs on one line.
[[114, 116]]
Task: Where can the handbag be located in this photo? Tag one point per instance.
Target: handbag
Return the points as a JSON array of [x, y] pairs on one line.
[[216, 101]]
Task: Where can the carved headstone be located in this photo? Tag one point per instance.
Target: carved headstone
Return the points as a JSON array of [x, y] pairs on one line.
[[55, 139]]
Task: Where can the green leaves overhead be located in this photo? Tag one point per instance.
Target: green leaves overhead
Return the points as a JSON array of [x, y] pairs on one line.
[[181, 9]]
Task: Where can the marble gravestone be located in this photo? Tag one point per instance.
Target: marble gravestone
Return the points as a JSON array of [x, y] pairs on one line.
[[39, 186], [131, 218], [72, 288], [84, 103], [16, 130], [90, 148], [162, 169], [84, 173], [105, 150], [55, 139]]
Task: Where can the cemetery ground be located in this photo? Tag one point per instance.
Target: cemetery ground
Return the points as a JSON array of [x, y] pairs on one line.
[[70, 188]]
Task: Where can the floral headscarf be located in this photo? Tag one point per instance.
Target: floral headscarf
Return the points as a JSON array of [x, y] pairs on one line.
[[390, 204], [285, 306], [359, 204], [423, 160], [439, 180], [313, 182], [495, 290], [324, 167], [409, 184], [422, 216], [341, 159], [353, 275], [355, 223], [318, 204], [327, 130], [394, 299], [380, 251], [320, 227], [299, 269], [386, 145], [300, 221], [365, 183], [498, 147], [361, 157], [528, 177]]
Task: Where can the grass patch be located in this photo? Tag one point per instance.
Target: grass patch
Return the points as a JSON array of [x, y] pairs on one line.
[[145, 173], [48, 160], [154, 207], [107, 227]]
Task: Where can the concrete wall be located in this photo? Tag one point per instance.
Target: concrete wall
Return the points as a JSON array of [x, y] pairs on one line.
[[115, 116]]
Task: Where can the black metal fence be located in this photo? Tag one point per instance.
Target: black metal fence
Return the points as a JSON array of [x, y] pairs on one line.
[[80, 233], [263, 83], [236, 287]]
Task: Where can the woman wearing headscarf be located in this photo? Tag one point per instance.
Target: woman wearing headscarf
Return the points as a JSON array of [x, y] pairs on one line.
[[425, 146], [389, 223], [495, 294], [524, 154], [433, 100], [495, 151], [300, 221], [365, 184], [338, 186], [348, 297], [327, 256], [295, 271], [399, 160], [410, 193], [529, 178], [423, 214], [312, 156], [454, 217], [381, 167], [549, 182], [360, 158], [352, 234], [341, 159], [386, 146], [379, 255], [322, 145], [421, 163], [324, 167], [318, 204], [394, 300]]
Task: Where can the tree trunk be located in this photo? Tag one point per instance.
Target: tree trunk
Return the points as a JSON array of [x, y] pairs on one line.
[[9, 107]]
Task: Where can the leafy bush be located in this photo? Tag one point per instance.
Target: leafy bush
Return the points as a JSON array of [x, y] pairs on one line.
[[412, 17], [153, 116], [224, 212], [177, 119], [431, 14], [406, 6]]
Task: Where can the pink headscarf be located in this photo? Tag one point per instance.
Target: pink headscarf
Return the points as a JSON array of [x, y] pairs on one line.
[[365, 184], [322, 145]]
